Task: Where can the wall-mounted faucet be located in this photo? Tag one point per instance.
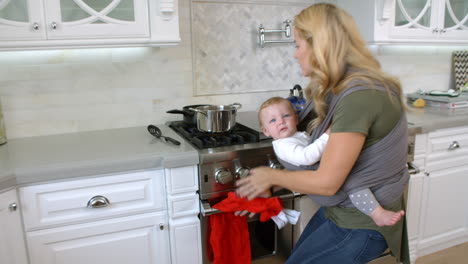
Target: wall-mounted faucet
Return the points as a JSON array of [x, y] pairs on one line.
[[262, 31]]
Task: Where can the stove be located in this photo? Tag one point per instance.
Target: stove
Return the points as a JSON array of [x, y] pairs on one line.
[[225, 158]]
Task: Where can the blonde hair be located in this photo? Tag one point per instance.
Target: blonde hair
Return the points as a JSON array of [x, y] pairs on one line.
[[336, 47], [273, 101]]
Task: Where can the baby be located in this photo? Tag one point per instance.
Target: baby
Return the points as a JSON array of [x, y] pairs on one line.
[[279, 120]]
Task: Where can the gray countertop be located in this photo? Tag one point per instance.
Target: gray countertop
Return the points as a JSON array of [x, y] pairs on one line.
[[431, 118], [61, 157], [35, 160]]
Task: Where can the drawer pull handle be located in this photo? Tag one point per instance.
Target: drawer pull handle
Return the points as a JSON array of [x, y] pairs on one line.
[[98, 201], [161, 226], [454, 145]]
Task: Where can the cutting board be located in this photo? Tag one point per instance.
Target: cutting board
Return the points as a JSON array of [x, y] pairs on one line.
[[460, 68]]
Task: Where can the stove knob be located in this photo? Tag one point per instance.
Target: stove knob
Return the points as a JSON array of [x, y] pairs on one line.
[[223, 176], [242, 172], [274, 165]]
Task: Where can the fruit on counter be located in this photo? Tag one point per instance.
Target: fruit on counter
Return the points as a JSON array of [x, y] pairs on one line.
[[420, 103]]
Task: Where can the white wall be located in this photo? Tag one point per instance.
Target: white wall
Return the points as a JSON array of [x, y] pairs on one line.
[[63, 91]]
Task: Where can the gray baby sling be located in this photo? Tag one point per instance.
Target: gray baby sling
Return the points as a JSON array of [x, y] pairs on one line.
[[380, 167]]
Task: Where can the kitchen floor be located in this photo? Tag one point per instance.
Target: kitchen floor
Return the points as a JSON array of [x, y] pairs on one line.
[[453, 255]]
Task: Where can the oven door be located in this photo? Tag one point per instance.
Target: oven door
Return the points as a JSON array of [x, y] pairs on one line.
[[268, 244]]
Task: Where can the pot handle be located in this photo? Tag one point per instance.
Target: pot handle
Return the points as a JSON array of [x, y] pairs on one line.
[[236, 105], [179, 112], [197, 111]]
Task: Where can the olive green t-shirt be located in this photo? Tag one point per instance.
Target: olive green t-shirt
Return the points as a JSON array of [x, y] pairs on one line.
[[370, 112], [374, 114]]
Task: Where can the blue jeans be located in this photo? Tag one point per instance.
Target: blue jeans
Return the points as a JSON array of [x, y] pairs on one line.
[[323, 242]]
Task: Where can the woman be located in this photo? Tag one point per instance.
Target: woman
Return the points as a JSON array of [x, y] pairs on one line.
[[367, 144]]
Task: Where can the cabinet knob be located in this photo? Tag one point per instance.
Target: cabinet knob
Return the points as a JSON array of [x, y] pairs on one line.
[[35, 26], [13, 207], [161, 226], [53, 25], [454, 145], [98, 201]]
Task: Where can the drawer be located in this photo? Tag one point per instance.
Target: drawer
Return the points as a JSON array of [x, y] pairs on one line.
[[447, 148], [182, 180], [64, 203], [440, 141]]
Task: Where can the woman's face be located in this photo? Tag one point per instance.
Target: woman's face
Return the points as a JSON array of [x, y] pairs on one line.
[[302, 53]]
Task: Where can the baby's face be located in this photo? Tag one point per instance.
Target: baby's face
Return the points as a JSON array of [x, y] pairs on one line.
[[279, 121]]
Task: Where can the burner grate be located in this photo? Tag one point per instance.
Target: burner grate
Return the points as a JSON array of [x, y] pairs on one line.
[[238, 135]]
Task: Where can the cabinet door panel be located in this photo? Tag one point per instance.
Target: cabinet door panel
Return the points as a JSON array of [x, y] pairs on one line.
[[12, 247], [413, 19], [21, 19], [68, 19], [125, 240], [455, 19], [446, 214]]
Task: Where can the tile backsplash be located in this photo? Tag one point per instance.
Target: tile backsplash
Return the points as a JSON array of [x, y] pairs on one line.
[[63, 91]]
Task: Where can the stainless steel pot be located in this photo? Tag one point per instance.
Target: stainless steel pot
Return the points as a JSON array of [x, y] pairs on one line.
[[216, 118]]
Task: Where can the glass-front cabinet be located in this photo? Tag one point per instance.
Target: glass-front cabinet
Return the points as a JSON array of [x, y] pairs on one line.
[[83, 22], [96, 18], [433, 19], [20, 19], [411, 21]]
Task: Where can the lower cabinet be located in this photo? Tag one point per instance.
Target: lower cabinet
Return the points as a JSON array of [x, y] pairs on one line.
[[120, 219], [144, 217], [141, 239], [445, 210], [12, 246], [413, 212], [183, 208], [440, 202]]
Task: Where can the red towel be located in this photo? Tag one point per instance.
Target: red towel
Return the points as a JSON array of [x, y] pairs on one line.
[[229, 234]]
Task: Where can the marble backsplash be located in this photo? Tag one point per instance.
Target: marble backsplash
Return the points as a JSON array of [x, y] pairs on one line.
[[226, 54], [64, 91]]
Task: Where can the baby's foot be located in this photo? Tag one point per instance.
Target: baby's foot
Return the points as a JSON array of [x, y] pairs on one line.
[[383, 217]]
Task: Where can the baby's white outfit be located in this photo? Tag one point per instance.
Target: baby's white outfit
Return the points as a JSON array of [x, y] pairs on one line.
[[298, 150]]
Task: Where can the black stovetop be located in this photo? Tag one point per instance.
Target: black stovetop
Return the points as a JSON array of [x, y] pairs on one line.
[[238, 135]]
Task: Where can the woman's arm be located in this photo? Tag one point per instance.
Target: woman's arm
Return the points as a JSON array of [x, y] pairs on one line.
[[337, 161]]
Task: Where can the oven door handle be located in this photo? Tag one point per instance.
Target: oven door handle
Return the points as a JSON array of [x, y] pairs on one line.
[[206, 209], [413, 169]]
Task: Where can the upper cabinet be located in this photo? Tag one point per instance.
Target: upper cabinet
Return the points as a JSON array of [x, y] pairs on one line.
[[407, 21], [38, 24]]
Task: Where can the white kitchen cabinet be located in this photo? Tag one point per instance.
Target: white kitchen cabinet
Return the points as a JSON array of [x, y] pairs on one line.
[[183, 207], [38, 24], [120, 218], [444, 207], [417, 21], [12, 246], [413, 212], [138, 239]]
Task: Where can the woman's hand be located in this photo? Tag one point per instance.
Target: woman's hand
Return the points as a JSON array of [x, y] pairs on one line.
[[256, 183]]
